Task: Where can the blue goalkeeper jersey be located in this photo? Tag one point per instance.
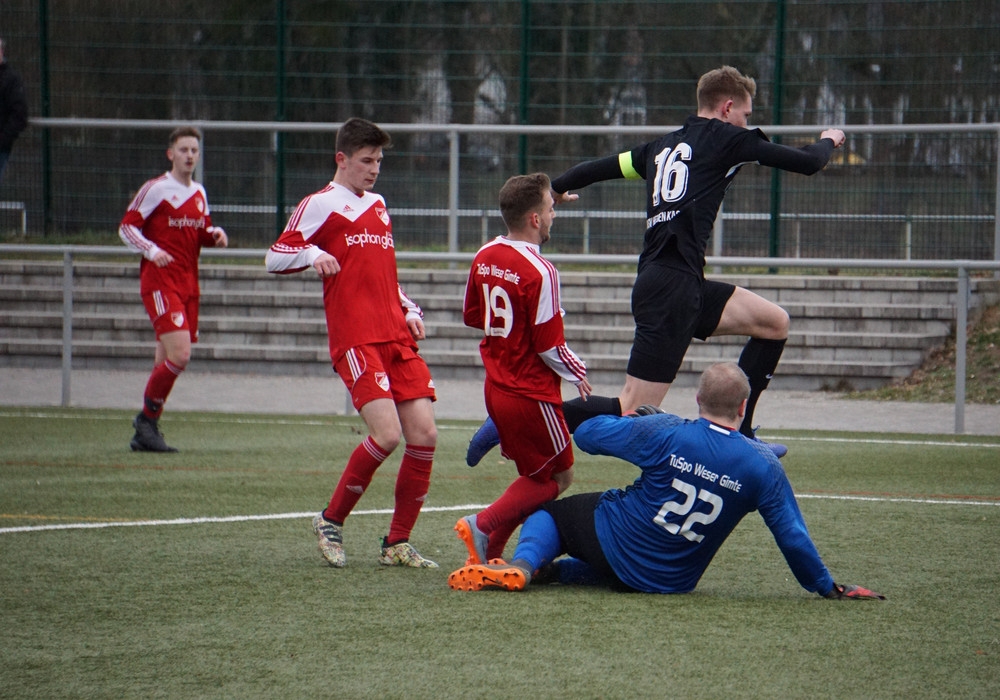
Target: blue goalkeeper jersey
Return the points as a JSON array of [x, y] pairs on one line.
[[698, 481]]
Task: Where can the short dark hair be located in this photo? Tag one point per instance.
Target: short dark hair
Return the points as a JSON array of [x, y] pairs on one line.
[[182, 131], [357, 133], [521, 195], [724, 83]]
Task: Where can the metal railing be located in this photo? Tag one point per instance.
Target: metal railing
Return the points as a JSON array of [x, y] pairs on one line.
[[17, 206], [962, 269], [454, 133]]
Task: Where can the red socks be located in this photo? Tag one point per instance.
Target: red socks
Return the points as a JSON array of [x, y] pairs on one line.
[[366, 458], [161, 381], [412, 484], [521, 498]]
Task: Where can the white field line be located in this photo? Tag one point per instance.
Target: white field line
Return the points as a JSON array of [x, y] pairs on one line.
[[222, 519], [882, 441], [333, 420], [227, 418], [437, 509]]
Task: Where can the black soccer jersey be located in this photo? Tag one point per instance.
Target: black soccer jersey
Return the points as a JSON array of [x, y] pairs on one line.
[[687, 173]]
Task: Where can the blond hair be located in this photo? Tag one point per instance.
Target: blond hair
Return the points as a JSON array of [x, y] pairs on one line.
[[722, 84], [721, 390]]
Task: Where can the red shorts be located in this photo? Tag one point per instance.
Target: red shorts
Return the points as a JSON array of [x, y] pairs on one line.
[[169, 313], [533, 433], [385, 371]]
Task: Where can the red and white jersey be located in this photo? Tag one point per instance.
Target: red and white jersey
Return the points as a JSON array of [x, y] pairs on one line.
[[513, 296], [170, 216], [364, 303]]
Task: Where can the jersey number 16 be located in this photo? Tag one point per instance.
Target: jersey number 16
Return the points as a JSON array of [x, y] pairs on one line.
[[671, 181]]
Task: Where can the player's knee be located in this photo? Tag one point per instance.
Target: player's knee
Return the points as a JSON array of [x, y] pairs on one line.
[[782, 323], [563, 479], [179, 358], [773, 325], [387, 439], [389, 445], [423, 433]]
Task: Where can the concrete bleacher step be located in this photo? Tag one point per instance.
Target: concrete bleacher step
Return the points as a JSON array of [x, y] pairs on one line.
[[846, 331]]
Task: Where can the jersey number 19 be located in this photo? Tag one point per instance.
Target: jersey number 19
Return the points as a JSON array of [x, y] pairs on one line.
[[499, 316]]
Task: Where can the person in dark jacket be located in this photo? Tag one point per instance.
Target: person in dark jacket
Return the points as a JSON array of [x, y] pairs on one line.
[[13, 108]]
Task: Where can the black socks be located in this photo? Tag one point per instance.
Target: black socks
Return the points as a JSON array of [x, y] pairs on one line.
[[758, 361], [577, 410]]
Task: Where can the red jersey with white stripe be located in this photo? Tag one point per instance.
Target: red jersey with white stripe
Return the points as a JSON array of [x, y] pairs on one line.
[[513, 296], [171, 216], [364, 303]]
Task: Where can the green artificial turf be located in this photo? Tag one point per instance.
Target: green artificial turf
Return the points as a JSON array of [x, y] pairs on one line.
[[196, 575]]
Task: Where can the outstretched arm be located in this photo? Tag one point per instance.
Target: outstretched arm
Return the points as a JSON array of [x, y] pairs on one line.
[[781, 513], [806, 160], [587, 173]]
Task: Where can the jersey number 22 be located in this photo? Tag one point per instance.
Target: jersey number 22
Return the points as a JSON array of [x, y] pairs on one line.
[[691, 496]]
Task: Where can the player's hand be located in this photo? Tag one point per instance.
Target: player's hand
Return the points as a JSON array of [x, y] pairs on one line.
[[836, 135], [326, 265], [564, 197], [219, 236], [584, 388], [416, 327], [852, 592], [162, 258]]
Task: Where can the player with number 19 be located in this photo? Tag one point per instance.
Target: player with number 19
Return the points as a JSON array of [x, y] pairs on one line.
[[512, 296]]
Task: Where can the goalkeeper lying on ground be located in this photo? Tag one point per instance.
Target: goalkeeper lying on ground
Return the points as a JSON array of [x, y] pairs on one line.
[[699, 478]]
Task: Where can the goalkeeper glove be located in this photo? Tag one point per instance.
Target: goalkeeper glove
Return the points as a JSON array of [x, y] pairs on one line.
[[645, 410], [851, 592]]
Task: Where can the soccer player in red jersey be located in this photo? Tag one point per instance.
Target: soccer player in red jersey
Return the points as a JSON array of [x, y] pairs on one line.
[[344, 233], [513, 297], [168, 222]]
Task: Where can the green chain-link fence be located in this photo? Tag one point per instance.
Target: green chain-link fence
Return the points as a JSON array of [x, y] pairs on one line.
[[572, 63]]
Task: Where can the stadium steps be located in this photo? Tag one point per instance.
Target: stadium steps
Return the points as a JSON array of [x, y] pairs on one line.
[[847, 332]]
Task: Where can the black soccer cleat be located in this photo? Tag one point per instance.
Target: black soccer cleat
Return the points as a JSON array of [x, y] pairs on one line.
[[148, 437], [648, 410]]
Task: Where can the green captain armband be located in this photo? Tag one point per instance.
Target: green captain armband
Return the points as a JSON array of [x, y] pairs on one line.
[[625, 163]]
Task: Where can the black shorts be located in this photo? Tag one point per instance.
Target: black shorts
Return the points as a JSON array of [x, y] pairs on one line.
[[574, 518], [670, 307]]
